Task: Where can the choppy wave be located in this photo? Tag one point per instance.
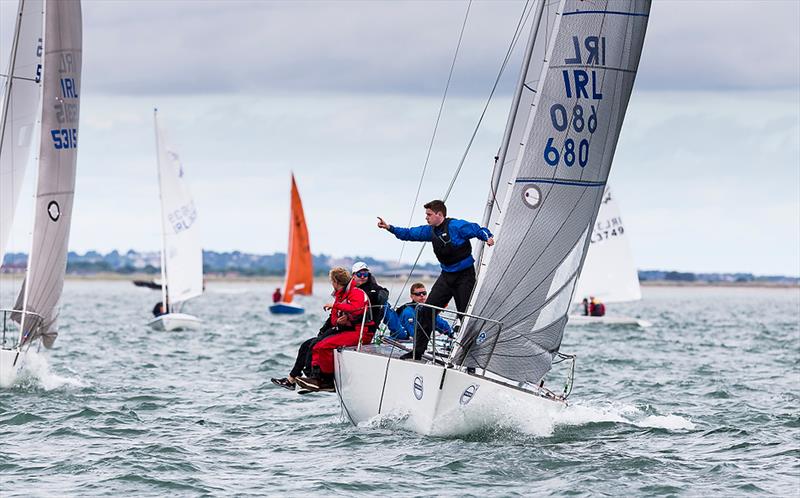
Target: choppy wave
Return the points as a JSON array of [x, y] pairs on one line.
[[702, 402]]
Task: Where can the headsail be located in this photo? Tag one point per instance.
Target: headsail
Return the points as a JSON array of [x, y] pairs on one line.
[[58, 154], [182, 253], [608, 271], [20, 106], [299, 265], [543, 21], [528, 277]]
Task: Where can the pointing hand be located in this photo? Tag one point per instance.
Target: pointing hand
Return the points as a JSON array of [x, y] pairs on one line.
[[383, 224]]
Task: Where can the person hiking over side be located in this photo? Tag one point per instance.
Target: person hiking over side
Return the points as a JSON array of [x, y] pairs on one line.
[[348, 312], [450, 238]]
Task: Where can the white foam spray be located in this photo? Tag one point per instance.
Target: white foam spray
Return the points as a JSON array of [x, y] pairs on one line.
[[34, 371]]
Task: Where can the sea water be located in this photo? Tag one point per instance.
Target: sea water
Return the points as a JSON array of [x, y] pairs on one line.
[[704, 402]]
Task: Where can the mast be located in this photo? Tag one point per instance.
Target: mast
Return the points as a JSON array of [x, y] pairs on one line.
[[10, 78], [289, 247], [26, 282], [512, 116], [163, 227], [497, 171]]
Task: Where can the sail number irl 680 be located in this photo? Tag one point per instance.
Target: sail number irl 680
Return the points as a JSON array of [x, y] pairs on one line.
[[580, 119]]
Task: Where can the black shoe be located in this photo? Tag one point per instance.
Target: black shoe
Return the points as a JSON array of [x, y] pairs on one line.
[[284, 383], [407, 356], [316, 384]]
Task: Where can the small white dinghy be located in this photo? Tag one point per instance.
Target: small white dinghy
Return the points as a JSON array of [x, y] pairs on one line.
[[564, 125], [181, 252], [44, 86], [175, 321], [609, 272]]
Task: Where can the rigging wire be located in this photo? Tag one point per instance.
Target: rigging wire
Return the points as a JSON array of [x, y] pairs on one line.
[[517, 32], [433, 138]]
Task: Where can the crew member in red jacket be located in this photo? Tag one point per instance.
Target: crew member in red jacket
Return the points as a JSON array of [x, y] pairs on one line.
[[347, 314]]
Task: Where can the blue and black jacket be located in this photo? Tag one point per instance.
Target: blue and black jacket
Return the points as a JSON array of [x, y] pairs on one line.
[[450, 241]]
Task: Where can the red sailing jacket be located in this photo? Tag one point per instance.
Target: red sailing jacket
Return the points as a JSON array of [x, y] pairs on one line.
[[351, 302]]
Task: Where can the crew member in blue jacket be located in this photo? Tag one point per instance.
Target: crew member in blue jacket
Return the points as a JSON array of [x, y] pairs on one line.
[[451, 245], [407, 313]]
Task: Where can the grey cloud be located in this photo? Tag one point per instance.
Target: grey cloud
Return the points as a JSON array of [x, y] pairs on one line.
[[182, 47]]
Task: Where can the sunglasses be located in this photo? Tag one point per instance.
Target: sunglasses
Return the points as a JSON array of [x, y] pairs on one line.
[[420, 293], [362, 274]]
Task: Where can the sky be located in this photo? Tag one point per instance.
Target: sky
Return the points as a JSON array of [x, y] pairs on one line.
[[346, 94]]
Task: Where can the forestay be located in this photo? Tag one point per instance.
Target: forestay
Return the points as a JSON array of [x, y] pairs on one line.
[[609, 272], [527, 278], [55, 187], [182, 252], [20, 104]]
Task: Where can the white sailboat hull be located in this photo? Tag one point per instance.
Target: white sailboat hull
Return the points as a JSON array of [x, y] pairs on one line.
[[8, 370], [428, 398], [608, 320], [175, 321]]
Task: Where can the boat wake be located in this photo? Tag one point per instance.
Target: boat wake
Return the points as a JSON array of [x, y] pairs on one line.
[[498, 422], [36, 373], [581, 414]]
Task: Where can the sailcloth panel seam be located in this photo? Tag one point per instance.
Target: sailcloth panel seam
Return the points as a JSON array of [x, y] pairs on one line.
[[604, 12], [483, 311], [538, 285]]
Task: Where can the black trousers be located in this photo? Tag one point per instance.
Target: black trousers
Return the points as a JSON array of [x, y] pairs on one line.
[[303, 361], [449, 285]]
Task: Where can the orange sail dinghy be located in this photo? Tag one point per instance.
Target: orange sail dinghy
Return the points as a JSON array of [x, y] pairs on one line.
[[299, 266]]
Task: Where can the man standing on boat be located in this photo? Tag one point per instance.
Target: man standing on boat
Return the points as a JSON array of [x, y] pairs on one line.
[[450, 239]]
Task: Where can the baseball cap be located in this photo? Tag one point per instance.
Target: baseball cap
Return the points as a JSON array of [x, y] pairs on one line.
[[359, 265]]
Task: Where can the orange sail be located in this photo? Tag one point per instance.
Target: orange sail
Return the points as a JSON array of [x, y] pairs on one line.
[[299, 266]]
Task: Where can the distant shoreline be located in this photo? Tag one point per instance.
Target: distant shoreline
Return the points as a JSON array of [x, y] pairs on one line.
[[278, 280]]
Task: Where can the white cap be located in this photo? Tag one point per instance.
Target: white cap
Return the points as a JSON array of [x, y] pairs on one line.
[[359, 265]]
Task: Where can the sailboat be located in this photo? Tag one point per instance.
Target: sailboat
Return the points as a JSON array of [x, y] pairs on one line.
[[181, 252], [299, 265], [571, 114], [43, 84], [608, 272]]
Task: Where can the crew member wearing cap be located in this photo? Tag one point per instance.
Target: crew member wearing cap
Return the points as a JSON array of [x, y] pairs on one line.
[[451, 245], [377, 295]]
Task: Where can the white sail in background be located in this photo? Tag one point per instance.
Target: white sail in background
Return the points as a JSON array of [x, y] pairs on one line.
[[182, 252], [609, 272], [20, 106], [55, 187], [527, 279]]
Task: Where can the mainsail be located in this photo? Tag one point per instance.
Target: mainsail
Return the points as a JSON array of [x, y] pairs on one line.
[[182, 254], [299, 266], [608, 271], [527, 278], [55, 188], [20, 105]]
